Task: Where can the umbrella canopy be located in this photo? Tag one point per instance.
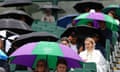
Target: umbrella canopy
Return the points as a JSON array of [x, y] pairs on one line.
[[34, 37], [53, 8], [14, 3], [33, 8], [30, 53], [17, 14], [3, 56], [8, 37], [14, 25], [64, 21], [83, 6], [115, 8], [93, 16], [82, 31]]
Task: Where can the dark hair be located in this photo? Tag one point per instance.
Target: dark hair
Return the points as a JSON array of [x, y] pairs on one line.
[[61, 61], [73, 34], [45, 64]]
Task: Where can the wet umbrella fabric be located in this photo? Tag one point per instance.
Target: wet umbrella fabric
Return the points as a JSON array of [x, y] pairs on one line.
[[81, 32], [84, 31], [14, 3], [8, 37], [14, 25], [34, 37], [17, 14], [84, 18], [52, 7], [66, 20], [80, 7], [49, 51]]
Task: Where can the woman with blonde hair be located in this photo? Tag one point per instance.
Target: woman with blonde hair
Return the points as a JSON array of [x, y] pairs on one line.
[[90, 54]]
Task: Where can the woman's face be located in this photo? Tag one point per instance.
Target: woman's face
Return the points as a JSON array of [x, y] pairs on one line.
[[65, 43], [61, 68], [88, 45], [40, 67]]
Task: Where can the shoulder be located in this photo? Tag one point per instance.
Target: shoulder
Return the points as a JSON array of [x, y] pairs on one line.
[[82, 53], [97, 52]]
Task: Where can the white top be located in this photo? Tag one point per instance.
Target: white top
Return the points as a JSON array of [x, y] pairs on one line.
[[74, 47], [48, 18], [96, 57]]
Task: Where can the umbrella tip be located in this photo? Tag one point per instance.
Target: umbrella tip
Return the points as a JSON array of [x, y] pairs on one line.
[[92, 10]]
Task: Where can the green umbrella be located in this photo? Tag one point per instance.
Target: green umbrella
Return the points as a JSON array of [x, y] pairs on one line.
[[115, 8], [84, 18]]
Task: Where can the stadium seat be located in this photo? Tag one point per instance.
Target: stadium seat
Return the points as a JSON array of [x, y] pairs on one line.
[[89, 66], [107, 48]]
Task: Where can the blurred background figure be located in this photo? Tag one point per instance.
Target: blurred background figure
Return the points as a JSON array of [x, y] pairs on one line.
[[107, 33], [48, 16], [113, 14], [100, 44], [1, 44], [65, 41], [42, 66], [61, 66], [71, 24], [73, 41], [92, 55]]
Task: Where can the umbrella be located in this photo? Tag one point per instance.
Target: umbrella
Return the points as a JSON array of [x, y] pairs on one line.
[[13, 25], [115, 8], [93, 16], [83, 31], [8, 37], [53, 8], [33, 8], [34, 37], [82, 6], [17, 14], [64, 21], [13, 3], [3, 56], [30, 53]]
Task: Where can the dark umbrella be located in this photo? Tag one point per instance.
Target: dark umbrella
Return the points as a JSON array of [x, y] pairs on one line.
[[17, 14], [13, 3], [82, 32], [33, 8], [14, 25], [34, 37], [81, 7], [52, 7]]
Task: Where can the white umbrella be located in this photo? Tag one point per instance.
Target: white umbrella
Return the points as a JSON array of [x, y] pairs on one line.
[[7, 37]]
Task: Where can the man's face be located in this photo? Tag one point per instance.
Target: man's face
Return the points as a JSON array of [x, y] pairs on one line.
[[70, 38], [40, 67], [61, 68]]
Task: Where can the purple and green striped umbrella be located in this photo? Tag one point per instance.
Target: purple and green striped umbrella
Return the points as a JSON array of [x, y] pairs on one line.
[[84, 18], [30, 53]]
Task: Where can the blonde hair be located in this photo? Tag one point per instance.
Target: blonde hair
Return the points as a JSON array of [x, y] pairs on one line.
[[90, 40]]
